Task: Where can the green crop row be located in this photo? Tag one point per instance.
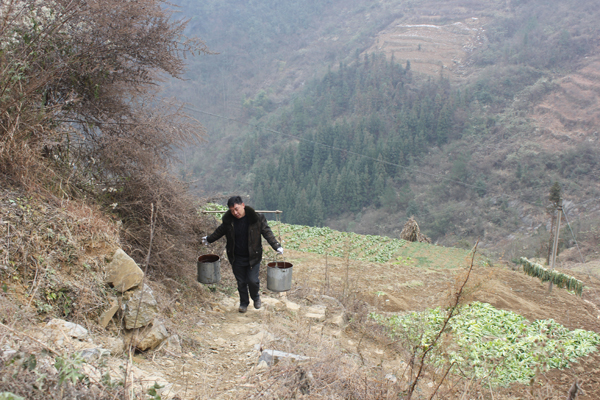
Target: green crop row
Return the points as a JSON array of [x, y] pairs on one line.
[[545, 275], [500, 345]]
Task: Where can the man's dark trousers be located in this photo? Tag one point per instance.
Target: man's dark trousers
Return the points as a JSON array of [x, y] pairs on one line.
[[247, 279]]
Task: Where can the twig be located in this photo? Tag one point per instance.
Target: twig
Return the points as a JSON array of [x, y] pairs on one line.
[[442, 381], [572, 395], [50, 349], [454, 307], [147, 262]]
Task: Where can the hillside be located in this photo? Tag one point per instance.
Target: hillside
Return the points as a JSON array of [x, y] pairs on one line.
[[517, 81], [330, 315], [349, 117]]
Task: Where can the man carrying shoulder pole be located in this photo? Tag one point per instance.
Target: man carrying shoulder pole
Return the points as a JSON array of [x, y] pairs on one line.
[[243, 227]]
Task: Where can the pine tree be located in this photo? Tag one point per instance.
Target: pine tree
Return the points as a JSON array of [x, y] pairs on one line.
[[317, 209]]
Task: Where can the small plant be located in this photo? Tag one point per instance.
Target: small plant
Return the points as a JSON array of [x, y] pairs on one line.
[[43, 308], [153, 391], [69, 369]]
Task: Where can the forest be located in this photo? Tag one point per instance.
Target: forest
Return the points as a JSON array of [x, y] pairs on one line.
[[313, 124]]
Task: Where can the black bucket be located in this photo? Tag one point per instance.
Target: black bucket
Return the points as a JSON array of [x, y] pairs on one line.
[[209, 268], [279, 276]]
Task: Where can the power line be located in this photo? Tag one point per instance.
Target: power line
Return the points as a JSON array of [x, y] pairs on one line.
[[333, 147], [437, 176]]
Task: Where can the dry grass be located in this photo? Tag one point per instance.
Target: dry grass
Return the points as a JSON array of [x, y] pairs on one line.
[[53, 254]]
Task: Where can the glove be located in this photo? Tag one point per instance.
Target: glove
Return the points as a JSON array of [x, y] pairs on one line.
[[204, 241], [280, 250]]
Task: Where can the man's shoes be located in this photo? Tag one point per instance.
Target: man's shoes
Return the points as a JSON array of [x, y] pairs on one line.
[[243, 309], [257, 303]]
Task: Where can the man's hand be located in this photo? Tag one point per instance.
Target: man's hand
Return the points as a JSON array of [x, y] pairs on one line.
[[280, 250], [204, 241]]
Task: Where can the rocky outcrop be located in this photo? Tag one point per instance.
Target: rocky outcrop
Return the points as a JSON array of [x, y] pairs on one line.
[[123, 273], [148, 307], [149, 337]]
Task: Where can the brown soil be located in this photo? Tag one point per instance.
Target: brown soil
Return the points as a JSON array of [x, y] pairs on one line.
[[570, 114], [432, 48]]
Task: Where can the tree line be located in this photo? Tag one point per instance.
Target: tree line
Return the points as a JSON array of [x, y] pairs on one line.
[[371, 107]]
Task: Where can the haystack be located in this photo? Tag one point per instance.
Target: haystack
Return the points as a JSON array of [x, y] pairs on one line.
[[412, 233]]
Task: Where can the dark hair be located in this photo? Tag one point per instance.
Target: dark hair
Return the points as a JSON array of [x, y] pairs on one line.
[[234, 200]]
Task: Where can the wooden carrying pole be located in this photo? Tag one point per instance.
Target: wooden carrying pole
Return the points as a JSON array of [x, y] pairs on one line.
[[555, 245], [258, 211]]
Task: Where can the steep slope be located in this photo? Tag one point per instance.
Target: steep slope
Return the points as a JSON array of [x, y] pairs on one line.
[[570, 114], [520, 99]]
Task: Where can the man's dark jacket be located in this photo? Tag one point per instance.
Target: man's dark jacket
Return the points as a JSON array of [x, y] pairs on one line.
[[257, 226]]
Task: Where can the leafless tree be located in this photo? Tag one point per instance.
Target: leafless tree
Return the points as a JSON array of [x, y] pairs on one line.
[[79, 111]]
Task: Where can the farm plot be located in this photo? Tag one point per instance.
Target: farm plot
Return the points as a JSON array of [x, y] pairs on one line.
[[497, 344], [338, 244]]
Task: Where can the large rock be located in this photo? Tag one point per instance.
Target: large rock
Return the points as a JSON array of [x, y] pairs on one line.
[[149, 337], [148, 308], [68, 328], [123, 273]]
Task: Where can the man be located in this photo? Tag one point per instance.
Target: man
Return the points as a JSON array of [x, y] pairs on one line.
[[242, 226]]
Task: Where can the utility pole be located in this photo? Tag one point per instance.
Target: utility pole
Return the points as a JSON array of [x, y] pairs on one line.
[[555, 246]]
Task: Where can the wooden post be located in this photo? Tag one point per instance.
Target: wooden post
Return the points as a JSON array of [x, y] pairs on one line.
[[555, 246]]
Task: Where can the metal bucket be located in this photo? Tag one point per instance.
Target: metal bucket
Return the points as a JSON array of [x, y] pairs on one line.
[[279, 276], [209, 268]]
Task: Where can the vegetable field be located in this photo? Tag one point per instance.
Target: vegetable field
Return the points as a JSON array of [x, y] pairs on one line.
[[497, 344], [338, 244]]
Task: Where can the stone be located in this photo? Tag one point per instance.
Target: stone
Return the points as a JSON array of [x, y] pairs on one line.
[[109, 312], [173, 344], [262, 366], [271, 302], [337, 320], [69, 328], [94, 353], [315, 317], [116, 346], [123, 273], [290, 305], [272, 356], [149, 337], [148, 309]]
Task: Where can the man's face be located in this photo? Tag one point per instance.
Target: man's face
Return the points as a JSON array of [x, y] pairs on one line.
[[238, 210]]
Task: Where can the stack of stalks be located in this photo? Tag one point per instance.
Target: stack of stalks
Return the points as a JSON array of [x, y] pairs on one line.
[[412, 233]]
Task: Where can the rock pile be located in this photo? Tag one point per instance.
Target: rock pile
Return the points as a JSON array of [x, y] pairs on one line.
[[136, 306]]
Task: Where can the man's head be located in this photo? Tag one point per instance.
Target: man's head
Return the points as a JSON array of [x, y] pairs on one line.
[[237, 207]]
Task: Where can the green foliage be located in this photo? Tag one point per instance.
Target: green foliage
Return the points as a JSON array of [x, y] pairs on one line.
[[559, 279], [338, 244], [498, 344], [153, 391], [214, 207], [69, 369], [338, 118], [554, 196]]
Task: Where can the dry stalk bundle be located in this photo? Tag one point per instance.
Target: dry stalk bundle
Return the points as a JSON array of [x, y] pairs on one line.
[[412, 233], [545, 275]]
